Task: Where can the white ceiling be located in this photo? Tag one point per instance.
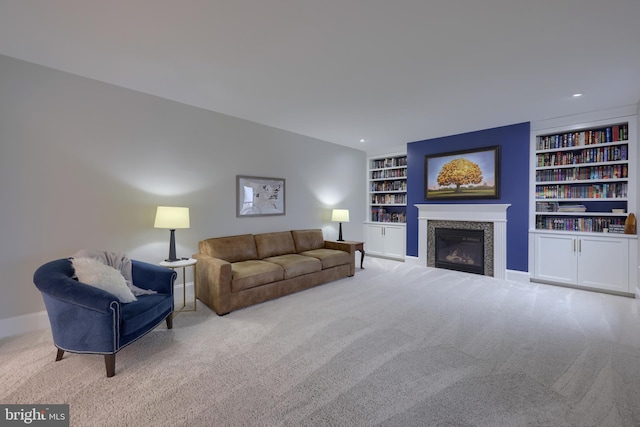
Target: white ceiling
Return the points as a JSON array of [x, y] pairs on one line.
[[388, 71]]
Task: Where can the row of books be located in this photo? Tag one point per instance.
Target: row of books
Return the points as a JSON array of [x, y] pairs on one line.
[[592, 224], [382, 215], [391, 162], [400, 185], [587, 155], [545, 207], [388, 199], [590, 191], [588, 137], [583, 173], [389, 173]]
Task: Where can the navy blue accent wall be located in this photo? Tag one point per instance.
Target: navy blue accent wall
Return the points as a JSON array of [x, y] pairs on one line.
[[514, 183]]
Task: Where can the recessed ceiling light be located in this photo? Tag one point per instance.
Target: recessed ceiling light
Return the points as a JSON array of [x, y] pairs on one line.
[[577, 95], [362, 140]]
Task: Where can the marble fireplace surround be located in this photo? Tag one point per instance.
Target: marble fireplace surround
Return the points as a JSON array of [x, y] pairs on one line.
[[490, 217]]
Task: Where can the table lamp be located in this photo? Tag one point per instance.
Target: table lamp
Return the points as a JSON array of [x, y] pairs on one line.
[[172, 217], [340, 215]]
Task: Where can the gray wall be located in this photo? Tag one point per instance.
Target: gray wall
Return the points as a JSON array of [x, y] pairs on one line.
[[84, 164]]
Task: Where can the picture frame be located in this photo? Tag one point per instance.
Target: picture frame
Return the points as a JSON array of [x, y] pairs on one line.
[[259, 196], [464, 174]]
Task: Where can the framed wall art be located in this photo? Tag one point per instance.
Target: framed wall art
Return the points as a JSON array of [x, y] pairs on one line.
[[466, 174], [259, 196]]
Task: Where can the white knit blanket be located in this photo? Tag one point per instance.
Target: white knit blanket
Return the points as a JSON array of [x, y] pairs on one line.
[[118, 260]]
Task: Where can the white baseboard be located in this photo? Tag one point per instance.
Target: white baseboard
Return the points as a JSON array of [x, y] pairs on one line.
[[518, 276], [32, 322], [23, 324], [412, 260]]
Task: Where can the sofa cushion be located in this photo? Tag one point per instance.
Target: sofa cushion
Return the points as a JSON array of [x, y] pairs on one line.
[[274, 244], [230, 249], [296, 265], [252, 273], [306, 240], [329, 257]]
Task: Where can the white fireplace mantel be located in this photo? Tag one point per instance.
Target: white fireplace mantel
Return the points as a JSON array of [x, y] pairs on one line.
[[485, 212]]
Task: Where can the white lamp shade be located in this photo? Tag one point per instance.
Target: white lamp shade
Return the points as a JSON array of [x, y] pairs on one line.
[[340, 215], [172, 217]]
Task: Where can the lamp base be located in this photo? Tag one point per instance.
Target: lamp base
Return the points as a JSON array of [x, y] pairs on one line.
[[340, 239], [172, 248]]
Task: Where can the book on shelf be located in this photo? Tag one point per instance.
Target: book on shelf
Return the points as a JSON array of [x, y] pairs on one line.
[[616, 228], [571, 208], [547, 206]]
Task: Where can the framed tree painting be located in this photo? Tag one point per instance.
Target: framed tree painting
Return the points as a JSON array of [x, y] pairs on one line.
[[467, 174], [259, 196]]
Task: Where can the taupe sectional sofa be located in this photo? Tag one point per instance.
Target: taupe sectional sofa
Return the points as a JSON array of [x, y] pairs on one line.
[[238, 271]]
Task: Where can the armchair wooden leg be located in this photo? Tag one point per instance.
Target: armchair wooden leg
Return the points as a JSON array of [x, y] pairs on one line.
[[110, 363], [59, 355], [169, 320]]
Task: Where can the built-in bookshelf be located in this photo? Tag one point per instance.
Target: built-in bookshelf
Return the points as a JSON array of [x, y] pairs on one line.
[[387, 195], [385, 226], [582, 179], [583, 187]]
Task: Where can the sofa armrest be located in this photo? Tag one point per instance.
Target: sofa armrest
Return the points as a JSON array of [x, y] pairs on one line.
[[153, 277], [213, 277], [343, 246]]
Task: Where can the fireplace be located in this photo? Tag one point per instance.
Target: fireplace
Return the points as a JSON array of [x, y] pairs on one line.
[[459, 249], [491, 218], [470, 228]]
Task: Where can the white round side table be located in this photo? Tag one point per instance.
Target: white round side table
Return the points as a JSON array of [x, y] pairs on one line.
[[184, 263]]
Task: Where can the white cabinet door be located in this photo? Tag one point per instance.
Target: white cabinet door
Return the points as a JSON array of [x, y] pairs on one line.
[[375, 239], [556, 258], [385, 240], [394, 241], [603, 262], [599, 262]]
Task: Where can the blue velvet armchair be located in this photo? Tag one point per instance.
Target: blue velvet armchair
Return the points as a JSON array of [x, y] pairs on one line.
[[85, 319]]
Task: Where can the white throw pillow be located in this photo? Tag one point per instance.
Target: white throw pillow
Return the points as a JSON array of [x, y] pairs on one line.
[[93, 272]]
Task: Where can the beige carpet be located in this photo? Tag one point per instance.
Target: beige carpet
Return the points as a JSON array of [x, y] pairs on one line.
[[397, 345]]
